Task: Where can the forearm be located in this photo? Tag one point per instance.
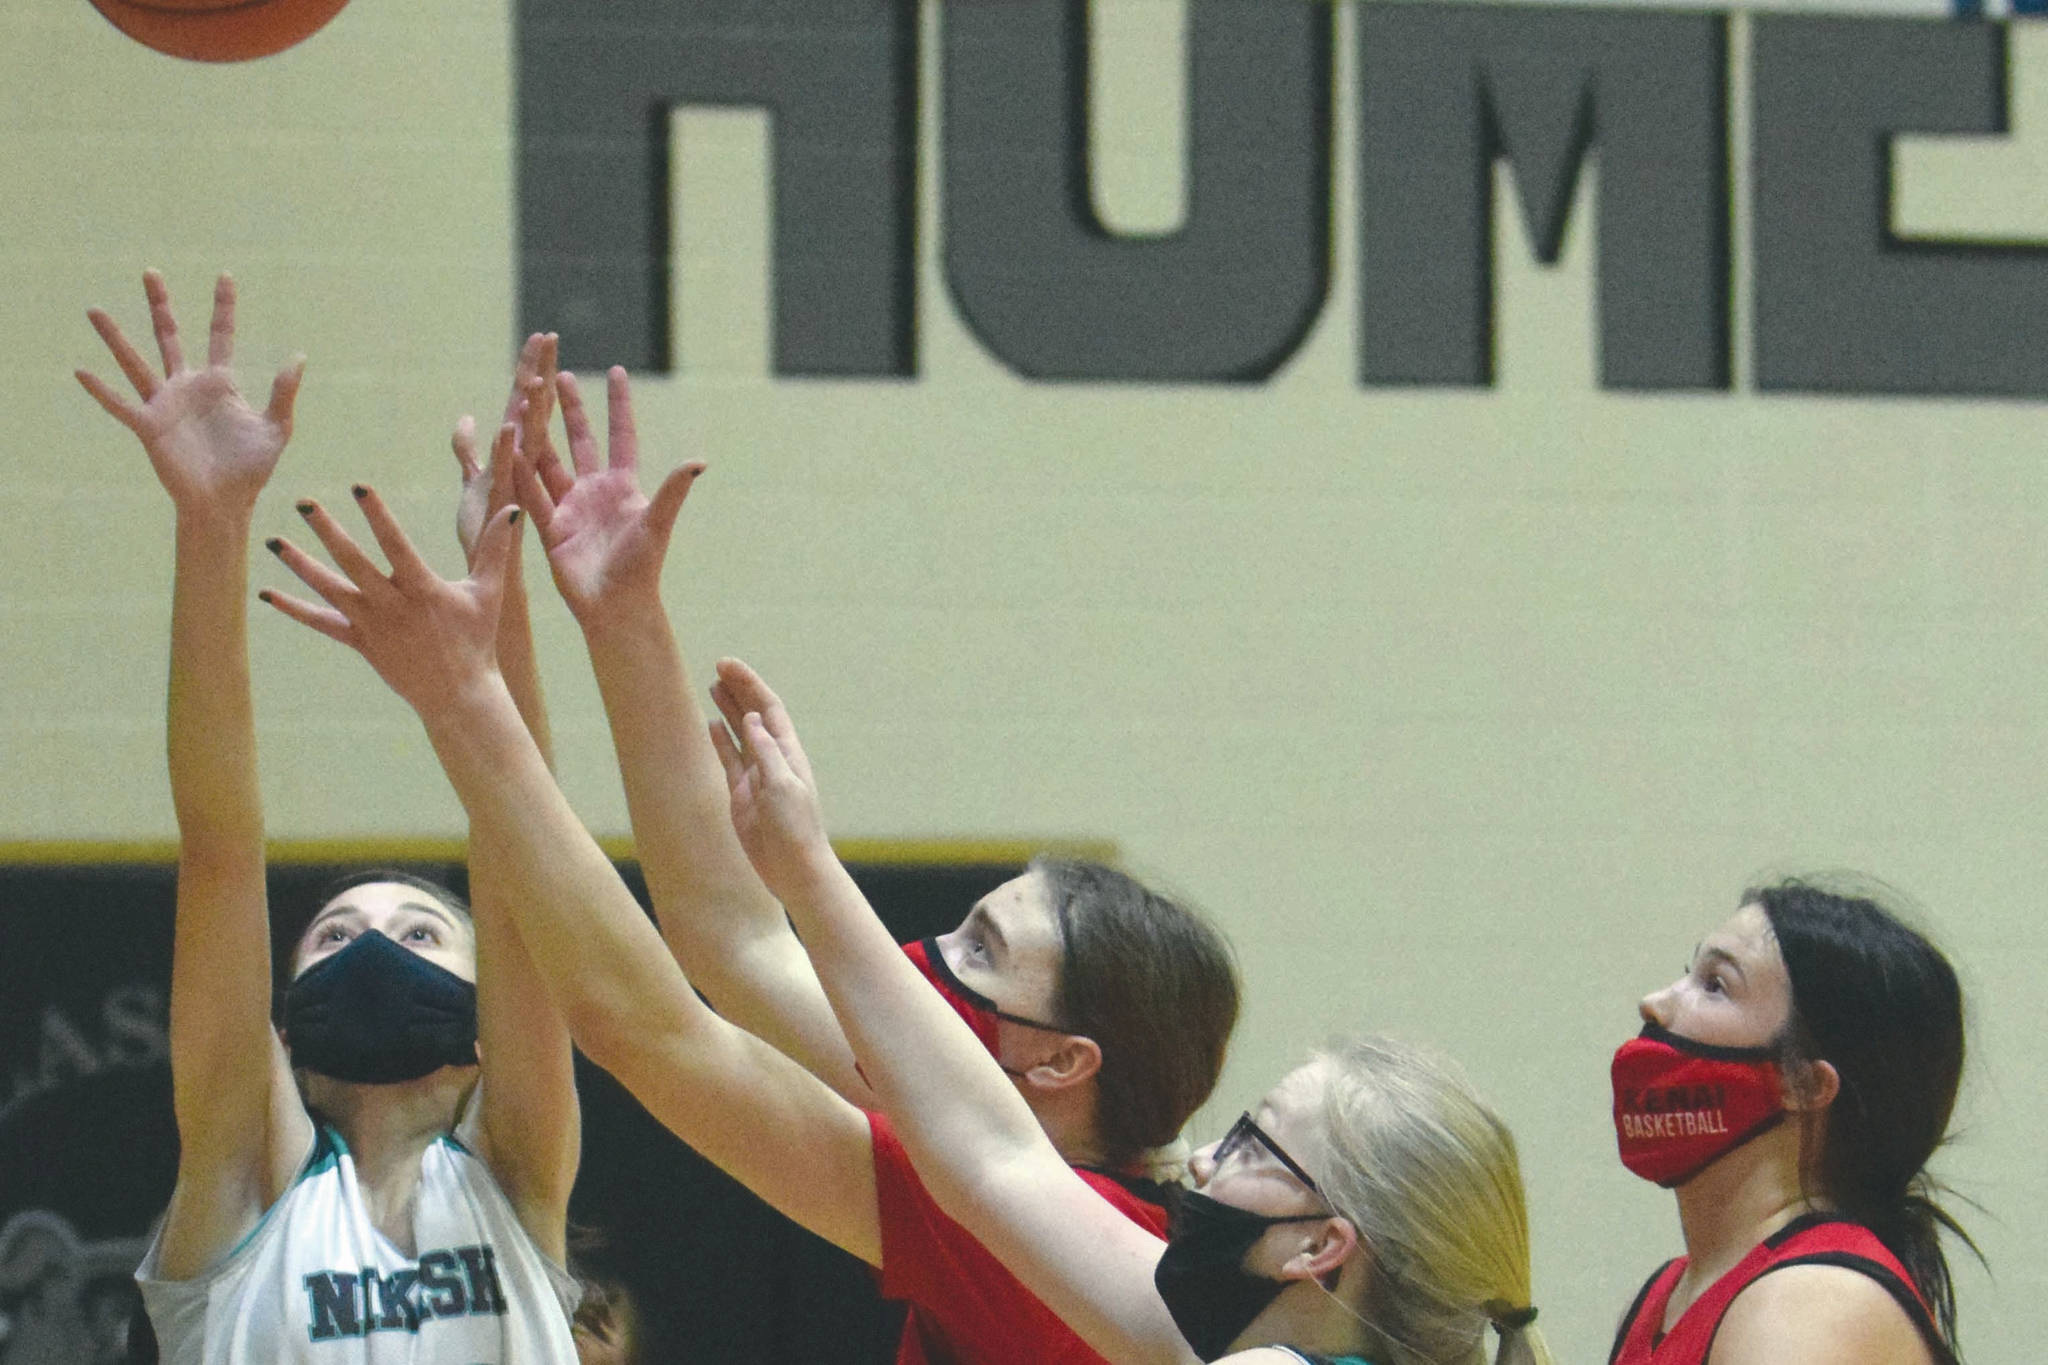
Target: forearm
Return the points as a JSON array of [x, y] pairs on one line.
[[572, 911], [519, 664], [210, 724], [712, 908], [957, 1114]]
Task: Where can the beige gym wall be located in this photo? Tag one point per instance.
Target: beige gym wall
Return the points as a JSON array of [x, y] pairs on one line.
[[1466, 713]]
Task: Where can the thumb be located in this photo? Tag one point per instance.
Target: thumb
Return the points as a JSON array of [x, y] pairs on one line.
[[668, 499], [497, 552], [284, 393]]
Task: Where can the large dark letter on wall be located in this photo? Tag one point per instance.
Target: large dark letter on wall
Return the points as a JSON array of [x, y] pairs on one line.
[[1843, 304], [1051, 291], [596, 84], [1449, 89]]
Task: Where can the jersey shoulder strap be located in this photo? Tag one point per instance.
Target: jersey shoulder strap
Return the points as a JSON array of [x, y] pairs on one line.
[[1816, 1239], [1823, 1239], [1639, 1330]]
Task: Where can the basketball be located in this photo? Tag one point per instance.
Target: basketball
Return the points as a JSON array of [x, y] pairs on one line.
[[218, 30]]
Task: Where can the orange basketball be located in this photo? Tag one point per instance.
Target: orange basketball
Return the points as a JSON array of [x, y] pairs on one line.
[[218, 30]]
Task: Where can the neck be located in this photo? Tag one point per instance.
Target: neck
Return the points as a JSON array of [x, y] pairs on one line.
[[386, 1127], [1737, 1202], [1069, 1121], [1311, 1320]]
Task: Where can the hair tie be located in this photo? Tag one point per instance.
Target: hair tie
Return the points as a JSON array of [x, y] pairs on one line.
[[1506, 1319]]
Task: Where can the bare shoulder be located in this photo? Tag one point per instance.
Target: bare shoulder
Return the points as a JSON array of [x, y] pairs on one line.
[[1262, 1355], [1817, 1315]]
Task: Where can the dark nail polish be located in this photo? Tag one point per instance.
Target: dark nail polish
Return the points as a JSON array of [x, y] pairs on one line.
[[305, 507], [264, 597], [360, 491], [516, 514], [274, 545]]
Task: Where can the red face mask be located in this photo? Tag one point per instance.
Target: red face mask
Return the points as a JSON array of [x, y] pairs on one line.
[[1679, 1106], [978, 1010]]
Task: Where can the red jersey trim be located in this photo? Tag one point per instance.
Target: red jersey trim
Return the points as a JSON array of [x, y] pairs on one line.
[[1817, 1239]]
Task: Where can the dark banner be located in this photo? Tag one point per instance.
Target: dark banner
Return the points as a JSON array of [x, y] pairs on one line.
[[88, 1149]]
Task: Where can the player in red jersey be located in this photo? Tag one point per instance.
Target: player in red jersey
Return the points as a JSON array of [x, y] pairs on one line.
[[1370, 1210], [1789, 1089], [1109, 1006]]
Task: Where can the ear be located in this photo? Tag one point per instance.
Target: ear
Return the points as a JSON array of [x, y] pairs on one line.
[[1323, 1252], [1811, 1086], [1075, 1060]]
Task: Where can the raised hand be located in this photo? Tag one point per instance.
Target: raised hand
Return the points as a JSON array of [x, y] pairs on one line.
[[488, 487], [775, 809], [210, 449], [605, 539], [430, 640]]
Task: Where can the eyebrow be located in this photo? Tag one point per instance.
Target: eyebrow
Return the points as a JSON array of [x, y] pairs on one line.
[[998, 942], [335, 911], [1719, 956]]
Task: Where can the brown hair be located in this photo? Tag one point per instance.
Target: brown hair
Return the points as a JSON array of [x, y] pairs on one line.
[[1154, 985]]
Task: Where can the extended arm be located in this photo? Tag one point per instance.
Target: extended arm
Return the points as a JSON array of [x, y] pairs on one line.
[[972, 1138], [528, 1125], [746, 1107], [241, 1127], [605, 543]]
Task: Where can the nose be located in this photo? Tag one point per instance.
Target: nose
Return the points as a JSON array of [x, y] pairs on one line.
[[1655, 1008], [1202, 1163]]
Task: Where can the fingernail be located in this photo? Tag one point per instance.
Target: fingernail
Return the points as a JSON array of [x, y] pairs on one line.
[[360, 491], [516, 514], [305, 507], [274, 545], [264, 596]]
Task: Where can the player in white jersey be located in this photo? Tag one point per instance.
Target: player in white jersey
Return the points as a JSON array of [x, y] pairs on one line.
[[349, 1190]]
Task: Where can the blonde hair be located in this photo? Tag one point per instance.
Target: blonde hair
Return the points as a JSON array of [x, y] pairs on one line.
[[1428, 1175]]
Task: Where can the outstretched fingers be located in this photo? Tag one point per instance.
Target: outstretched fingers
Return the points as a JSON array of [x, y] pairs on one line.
[[739, 693], [145, 380], [163, 320], [326, 620], [536, 410], [407, 568], [463, 443], [504, 456], [220, 337], [361, 570], [119, 408], [533, 493], [335, 590], [576, 421], [625, 440]]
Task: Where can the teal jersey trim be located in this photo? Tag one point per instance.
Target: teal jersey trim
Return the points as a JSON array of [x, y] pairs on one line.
[[328, 1149]]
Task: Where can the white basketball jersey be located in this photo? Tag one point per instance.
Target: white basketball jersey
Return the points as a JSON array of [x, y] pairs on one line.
[[317, 1284]]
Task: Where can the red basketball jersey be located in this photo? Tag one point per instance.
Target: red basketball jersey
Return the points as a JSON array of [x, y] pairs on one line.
[[1817, 1239], [965, 1308]]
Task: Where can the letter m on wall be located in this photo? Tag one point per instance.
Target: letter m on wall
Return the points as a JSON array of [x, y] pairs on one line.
[[1450, 89], [596, 83]]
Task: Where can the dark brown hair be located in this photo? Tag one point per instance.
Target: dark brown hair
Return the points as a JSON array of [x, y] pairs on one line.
[[1881, 1005], [1154, 985]]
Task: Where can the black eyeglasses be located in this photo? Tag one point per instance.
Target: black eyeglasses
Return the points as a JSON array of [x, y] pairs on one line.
[[1243, 1134]]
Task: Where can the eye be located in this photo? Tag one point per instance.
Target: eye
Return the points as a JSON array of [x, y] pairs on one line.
[[421, 933], [333, 933]]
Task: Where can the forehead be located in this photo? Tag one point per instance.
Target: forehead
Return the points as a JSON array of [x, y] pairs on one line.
[[1022, 911], [1746, 937], [1288, 1111], [382, 900]]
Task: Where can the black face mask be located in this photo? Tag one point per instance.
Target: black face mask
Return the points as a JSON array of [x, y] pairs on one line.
[[376, 1013], [1201, 1278]]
